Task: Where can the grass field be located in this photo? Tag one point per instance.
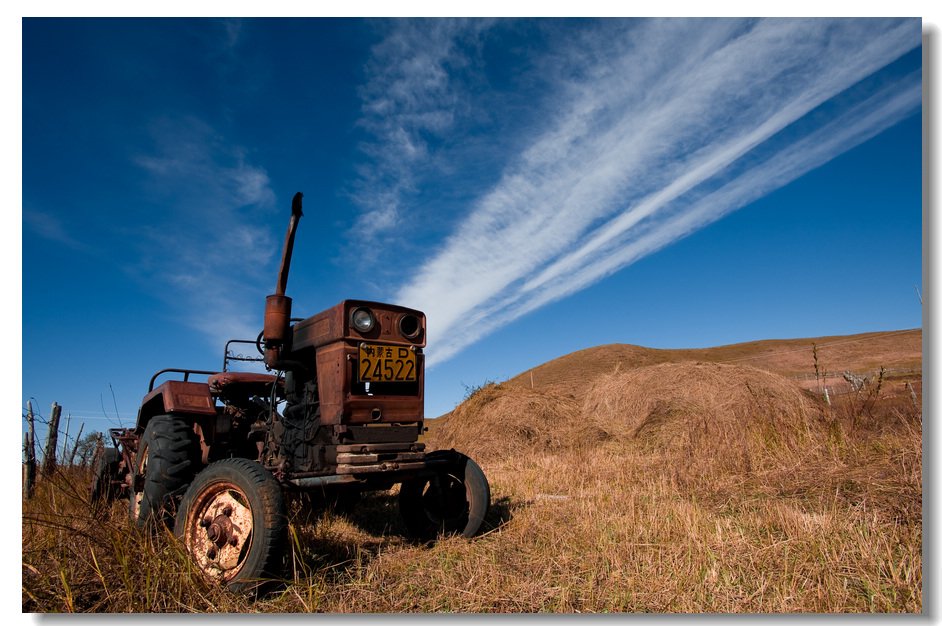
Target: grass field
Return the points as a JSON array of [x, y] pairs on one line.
[[673, 486]]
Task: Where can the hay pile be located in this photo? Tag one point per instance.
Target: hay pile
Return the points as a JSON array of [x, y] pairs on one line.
[[697, 417], [501, 420], [707, 417]]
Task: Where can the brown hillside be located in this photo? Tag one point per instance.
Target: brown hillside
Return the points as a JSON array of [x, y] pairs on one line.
[[861, 354]]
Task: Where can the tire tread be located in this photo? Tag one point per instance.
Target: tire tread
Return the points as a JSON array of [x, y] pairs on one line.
[[171, 467]]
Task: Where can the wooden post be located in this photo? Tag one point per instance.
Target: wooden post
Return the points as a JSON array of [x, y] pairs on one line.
[[52, 440], [912, 394], [28, 476], [65, 439], [30, 451]]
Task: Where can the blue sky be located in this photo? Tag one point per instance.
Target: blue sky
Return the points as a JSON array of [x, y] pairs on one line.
[[535, 186]]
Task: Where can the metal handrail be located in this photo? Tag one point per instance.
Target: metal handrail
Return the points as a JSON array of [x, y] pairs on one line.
[[186, 375], [226, 356]]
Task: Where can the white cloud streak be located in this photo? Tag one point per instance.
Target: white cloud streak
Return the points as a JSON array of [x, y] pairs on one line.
[[408, 98], [682, 123]]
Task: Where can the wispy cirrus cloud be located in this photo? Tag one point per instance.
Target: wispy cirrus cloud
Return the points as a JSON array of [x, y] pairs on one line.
[[51, 226], [209, 239], [672, 125], [409, 102]]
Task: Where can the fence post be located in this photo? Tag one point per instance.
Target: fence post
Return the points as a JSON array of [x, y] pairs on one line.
[[912, 394], [65, 439], [30, 451], [29, 471], [49, 457]]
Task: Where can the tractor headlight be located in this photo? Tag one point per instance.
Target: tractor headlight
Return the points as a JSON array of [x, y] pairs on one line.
[[362, 319], [409, 326]]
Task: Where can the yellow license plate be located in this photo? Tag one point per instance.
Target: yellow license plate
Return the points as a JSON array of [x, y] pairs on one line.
[[385, 364]]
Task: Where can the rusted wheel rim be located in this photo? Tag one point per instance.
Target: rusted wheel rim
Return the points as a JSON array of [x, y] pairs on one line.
[[218, 530]]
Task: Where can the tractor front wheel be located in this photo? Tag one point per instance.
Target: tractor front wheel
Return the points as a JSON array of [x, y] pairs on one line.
[[453, 500], [233, 522]]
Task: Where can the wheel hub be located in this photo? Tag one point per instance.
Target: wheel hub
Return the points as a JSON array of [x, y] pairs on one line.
[[220, 531]]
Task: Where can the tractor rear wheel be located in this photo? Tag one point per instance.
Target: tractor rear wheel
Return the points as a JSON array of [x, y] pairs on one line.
[[167, 459], [453, 500], [104, 473], [233, 522]]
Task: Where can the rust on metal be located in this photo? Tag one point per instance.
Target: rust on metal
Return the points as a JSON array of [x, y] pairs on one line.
[[218, 530], [277, 318], [180, 396], [289, 244], [248, 381]]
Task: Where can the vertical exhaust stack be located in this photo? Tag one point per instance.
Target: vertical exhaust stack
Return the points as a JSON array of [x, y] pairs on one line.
[[278, 305]]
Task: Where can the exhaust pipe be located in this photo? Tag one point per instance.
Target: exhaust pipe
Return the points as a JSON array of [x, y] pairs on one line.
[[278, 305], [289, 244]]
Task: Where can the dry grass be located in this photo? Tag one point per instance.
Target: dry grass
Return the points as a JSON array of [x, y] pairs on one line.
[[498, 421], [707, 420], [713, 488], [681, 487]]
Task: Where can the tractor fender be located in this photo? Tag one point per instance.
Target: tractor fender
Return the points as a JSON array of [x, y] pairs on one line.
[[175, 396]]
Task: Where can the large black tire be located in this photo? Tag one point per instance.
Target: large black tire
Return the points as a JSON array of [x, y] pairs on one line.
[[167, 460], [453, 501], [104, 473], [233, 522]]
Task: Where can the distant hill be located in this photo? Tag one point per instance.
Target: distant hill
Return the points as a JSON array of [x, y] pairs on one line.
[[898, 351]]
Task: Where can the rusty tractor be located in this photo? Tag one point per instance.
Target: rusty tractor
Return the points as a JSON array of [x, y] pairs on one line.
[[338, 411]]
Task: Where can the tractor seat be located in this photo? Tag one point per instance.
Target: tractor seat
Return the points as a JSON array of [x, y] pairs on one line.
[[247, 383]]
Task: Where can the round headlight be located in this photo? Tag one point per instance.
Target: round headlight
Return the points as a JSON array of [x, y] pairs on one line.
[[362, 320]]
